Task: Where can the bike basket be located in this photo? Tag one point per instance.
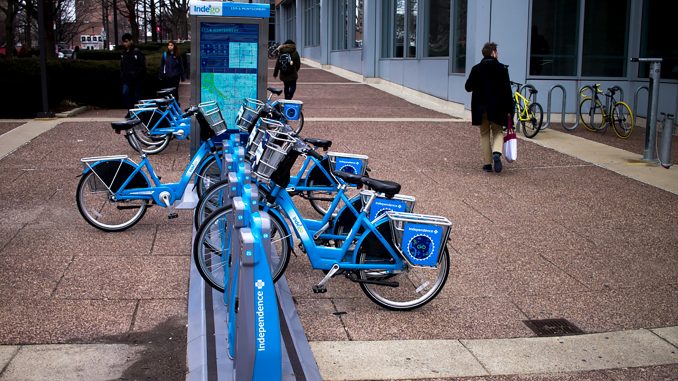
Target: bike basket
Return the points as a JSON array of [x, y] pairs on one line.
[[248, 114], [381, 204], [276, 145], [254, 142], [419, 238], [346, 162], [212, 114], [291, 108]]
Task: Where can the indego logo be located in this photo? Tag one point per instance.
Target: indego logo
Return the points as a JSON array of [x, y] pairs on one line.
[[206, 10]]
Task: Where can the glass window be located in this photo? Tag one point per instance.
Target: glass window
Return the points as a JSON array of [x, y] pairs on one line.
[[312, 22], [459, 36], [554, 37], [411, 28], [83, 38], [399, 28], [605, 38], [348, 24], [658, 39], [290, 22], [359, 27], [437, 28]]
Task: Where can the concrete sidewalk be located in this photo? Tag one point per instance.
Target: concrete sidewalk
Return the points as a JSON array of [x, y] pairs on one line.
[[574, 229]]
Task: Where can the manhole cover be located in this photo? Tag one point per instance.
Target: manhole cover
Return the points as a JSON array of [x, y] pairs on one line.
[[553, 327]]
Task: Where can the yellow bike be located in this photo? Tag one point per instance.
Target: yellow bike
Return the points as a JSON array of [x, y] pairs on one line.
[[529, 114], [597, 117]]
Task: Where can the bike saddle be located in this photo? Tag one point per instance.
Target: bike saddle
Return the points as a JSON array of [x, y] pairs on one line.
[[319, 143], [165, 92], [274, 90], [389, 188], [124, 125]]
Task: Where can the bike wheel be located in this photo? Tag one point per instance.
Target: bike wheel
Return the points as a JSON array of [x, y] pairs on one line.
[[591, 117], [536, 117], [211, 248], [213, 198], [151, 145], [622, 120], [416, 286], [209, 174], [297, 125], [96, 205]]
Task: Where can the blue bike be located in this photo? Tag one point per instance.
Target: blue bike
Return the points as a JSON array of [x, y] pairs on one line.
[[114, 191], [400, 260]]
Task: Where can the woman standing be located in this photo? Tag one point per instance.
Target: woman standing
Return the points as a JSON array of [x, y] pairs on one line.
[[171, 69]]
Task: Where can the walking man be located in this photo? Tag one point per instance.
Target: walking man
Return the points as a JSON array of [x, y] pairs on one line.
[[491, 104]]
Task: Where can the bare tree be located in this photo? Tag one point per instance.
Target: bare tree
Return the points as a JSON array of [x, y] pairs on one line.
[[11, 10], [177, 18], [129, 11]]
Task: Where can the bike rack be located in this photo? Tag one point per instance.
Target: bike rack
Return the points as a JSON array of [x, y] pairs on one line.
[[635, 100], [562, 110], [257, 315]]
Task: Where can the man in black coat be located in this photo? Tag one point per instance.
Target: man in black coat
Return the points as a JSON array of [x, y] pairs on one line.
[[491, 104], [132, 71], [290, 76]]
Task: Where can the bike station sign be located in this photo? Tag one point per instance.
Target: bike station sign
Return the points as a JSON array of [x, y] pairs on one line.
[[228, 55]]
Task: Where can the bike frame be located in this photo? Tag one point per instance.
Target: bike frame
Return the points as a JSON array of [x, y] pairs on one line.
[[523, 111], [178, 126], [324, 257], [175, 190]]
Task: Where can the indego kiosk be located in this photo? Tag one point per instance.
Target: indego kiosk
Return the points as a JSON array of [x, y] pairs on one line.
[[228, 60]]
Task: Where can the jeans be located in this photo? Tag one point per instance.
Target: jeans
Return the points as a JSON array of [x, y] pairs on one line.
[[290, 88], [131, 93]]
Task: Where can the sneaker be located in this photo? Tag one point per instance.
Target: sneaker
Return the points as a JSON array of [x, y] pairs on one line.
[[496, 158], [487, 167]]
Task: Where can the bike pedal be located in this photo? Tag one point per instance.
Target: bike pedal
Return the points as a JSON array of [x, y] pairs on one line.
[[172, 216], [319, 289]]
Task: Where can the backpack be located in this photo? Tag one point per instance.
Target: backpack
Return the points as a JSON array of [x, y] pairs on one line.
[[286, 65]]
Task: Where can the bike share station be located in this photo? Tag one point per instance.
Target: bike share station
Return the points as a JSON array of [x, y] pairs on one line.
[[252, 330]]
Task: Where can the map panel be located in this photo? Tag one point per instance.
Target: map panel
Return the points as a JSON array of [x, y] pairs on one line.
[[228, 65]]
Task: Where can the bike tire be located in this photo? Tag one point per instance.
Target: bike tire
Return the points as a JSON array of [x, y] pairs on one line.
[[212, 199], [407, 295], [212, 243], [159, 144], [208, 174], [297, 125], [532, 127], [622, 120], [94, 202], [591, 118]]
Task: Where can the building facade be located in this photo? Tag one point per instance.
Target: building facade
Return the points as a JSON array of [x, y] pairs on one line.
[[430, 45]]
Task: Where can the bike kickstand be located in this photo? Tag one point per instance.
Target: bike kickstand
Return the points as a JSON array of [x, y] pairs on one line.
[[320, 287]]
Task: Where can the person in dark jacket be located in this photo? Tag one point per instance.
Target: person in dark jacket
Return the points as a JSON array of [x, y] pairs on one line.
[[132, 71], [290, 77], [171, 69], [491, 104]]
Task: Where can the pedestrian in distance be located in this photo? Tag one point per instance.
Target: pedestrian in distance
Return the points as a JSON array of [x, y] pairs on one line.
[[74, 55], [288, 65], [132, 71], [171, 69], [491, 104]]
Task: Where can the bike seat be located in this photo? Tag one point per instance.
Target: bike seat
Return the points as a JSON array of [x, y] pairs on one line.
[[274, 90], [349, 178], [165, 92], [319, 143], [389, 188], [124, 125]]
